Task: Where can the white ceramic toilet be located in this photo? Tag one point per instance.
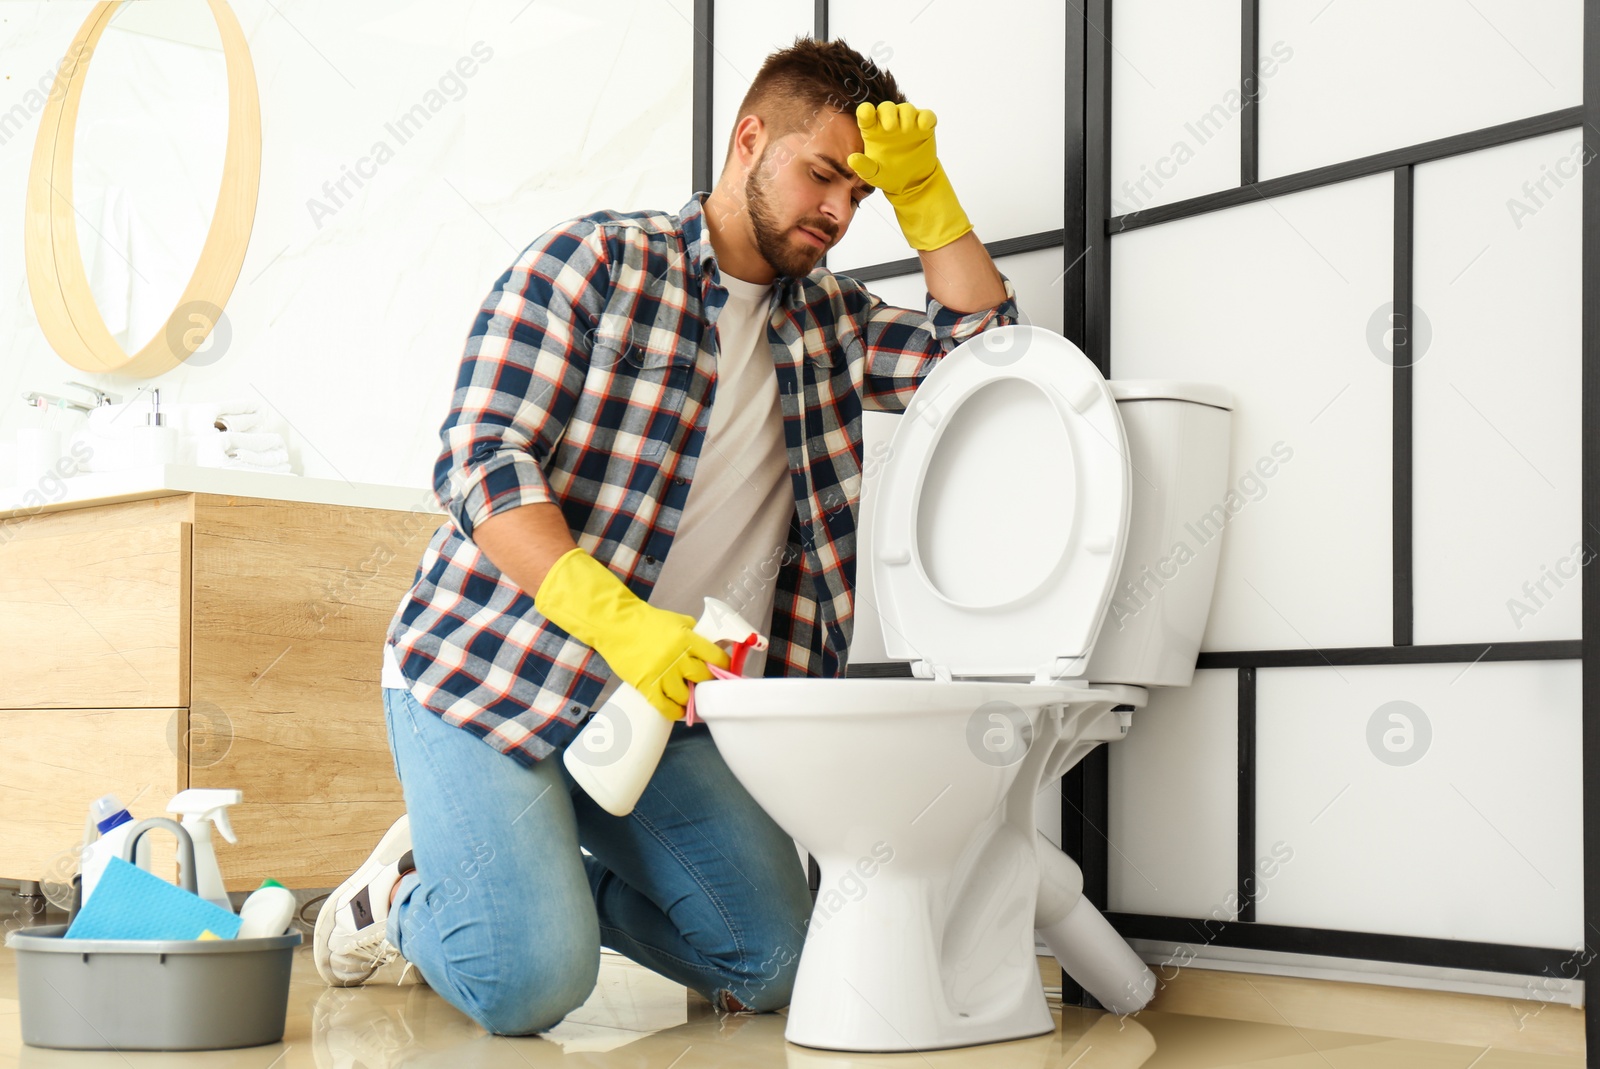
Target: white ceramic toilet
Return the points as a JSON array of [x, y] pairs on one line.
[[1021, 494]]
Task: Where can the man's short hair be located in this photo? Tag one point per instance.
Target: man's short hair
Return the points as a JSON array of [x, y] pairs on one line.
[[796, 85]]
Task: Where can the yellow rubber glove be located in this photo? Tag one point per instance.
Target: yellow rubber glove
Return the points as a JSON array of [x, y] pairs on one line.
[[900, 160], [654, 651]]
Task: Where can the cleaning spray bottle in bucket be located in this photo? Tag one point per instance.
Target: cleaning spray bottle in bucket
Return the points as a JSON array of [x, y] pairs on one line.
[[617, 751], [200, 807]]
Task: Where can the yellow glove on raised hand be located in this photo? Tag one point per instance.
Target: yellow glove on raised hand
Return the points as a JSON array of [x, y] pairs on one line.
[[900, 160], [654, 651]]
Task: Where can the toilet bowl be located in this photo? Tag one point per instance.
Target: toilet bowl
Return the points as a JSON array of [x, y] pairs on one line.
[[1023, 496]]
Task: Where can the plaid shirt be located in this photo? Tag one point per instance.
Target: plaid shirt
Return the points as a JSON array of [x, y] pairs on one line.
[[587, 382]]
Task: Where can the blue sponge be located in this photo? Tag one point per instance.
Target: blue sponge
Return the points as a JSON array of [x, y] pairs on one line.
[[130, 903]]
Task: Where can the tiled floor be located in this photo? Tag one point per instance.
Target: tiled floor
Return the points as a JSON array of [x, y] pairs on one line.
[[636, 1018]]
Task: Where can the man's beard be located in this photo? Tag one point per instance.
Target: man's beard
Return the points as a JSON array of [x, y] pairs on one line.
[[772, 240]]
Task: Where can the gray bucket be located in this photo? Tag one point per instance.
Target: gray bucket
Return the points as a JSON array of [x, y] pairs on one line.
[[151, 994]]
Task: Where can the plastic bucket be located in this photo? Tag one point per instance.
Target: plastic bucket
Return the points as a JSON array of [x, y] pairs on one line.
[[151, 994]]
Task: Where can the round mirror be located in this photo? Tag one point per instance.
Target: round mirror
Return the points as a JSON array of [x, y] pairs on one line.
[[142, 191], [147, 161]]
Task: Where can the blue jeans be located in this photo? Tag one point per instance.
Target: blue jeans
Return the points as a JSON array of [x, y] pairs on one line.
[[505, 917]]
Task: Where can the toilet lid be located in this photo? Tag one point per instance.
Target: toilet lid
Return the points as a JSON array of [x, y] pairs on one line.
[[999, 525]]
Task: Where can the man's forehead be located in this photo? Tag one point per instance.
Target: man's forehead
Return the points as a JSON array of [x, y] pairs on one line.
[[843, 125]]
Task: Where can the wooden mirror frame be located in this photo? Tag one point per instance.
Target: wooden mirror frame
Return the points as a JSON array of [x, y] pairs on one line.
[[57, 281]]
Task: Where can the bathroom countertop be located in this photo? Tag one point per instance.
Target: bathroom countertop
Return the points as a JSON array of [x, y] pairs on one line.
[[159, 480]]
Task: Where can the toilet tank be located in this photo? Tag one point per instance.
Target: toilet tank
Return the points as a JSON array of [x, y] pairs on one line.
[[1178, 441]]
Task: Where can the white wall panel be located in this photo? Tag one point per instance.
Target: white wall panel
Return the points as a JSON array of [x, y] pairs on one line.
[[1464, 824], [746, 33], [1037, 277], [1368, 75], [1272, 299], [1173, 817], [1497, 422], [995, 78], [1175, 101]]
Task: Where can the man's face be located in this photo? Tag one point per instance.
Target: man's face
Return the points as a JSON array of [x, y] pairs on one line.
[[802, 194]]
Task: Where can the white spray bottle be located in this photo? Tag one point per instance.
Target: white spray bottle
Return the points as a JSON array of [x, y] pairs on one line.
[[617, 751], [200, 807]]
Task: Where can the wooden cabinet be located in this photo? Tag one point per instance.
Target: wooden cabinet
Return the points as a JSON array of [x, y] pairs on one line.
[[202, 640]]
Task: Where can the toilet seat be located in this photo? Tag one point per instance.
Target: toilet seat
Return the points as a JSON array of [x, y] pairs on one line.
[[1002, 516]]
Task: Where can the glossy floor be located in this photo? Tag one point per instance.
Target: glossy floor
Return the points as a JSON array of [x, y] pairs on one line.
[[636, 1018]]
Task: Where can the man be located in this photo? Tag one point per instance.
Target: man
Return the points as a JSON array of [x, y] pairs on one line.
[[651, 408]]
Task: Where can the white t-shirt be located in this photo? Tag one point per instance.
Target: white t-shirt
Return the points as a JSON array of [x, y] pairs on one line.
[[735, 524]]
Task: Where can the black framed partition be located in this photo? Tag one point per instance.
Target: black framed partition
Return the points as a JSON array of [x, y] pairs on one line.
[[1085, 243], [1245, 933]]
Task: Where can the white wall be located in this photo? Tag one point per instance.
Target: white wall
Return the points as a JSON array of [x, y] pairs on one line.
[[1477, 840], [1497, 413], [1472, 833], [1174, 101], [351, 331], [1365, 76]]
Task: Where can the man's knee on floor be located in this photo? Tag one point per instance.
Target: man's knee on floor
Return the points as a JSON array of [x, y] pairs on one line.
[[533, 1001]]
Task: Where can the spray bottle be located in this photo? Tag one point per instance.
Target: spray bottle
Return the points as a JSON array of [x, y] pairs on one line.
[[617, 751], [201, 807]]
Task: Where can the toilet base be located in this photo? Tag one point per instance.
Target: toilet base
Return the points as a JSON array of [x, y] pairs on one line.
[[925, 961]]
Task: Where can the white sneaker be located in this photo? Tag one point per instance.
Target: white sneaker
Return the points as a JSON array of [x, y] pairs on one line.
[[349, 945]]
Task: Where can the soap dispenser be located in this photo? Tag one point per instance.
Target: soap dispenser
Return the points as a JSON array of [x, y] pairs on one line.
[[158, 440]]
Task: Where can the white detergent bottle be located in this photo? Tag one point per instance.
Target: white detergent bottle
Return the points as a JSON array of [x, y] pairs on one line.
[[267, 912], [199, 808], [114, 822], [617, 751]]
